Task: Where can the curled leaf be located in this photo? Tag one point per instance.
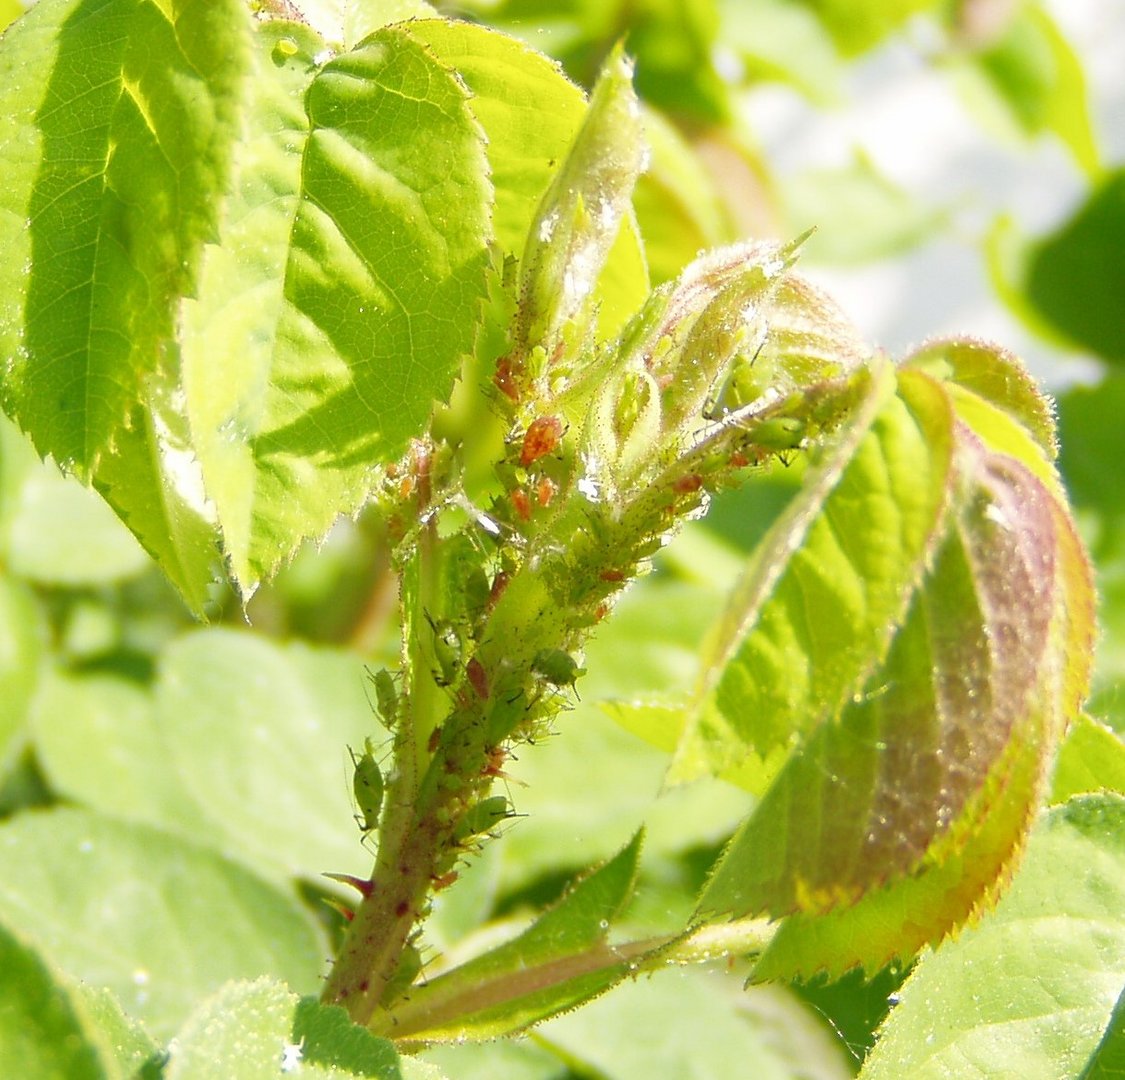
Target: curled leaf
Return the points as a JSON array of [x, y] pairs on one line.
[[940, 752]]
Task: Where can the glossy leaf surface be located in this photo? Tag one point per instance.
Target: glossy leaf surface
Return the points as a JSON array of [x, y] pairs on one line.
[[241, 276]]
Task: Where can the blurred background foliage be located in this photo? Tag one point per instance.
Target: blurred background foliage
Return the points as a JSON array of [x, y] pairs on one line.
[[962, 162]]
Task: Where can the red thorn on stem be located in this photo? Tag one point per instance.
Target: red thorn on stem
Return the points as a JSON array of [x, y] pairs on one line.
[[361, 885]]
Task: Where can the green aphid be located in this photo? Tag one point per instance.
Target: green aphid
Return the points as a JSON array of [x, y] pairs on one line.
[[779, 433], [449, 651], [367, 786], [748, 379], [557, 666], [386, 696], [482, 818], [408, 968]]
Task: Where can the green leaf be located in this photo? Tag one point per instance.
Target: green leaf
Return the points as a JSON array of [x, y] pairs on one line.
[[859, 214], [111, 195], [526, 144], [1075, 278], [858, 25], [262, 1029], [294, 286], [1091, 449], [995, 378], [10, 10], [158, 921], [512, 1059], [329, 1040], [116, 166], [63, 534], [154, 485], [130, 1047], [619, 781], [257, 733], [782, 42], [342, 295], [98, 742], [1030, 990], [561, 960], [1038, 76], [849, 547], [22, 635], [44, 1032], [675, 45], [1108, 1060], [690, 1023], [1091, 759], [943, 753], [899, 918], [677, 206]]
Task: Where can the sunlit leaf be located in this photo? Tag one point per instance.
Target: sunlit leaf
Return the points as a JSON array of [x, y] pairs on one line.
[[256, 1029], [1030, 990], [99, 743], [933, 768], [9, 11], [997, 378], [257, 735], [690, 1023], [157, 920], [111, 194], [129, 1045], [63, 534], [859, 533], [342, 293], [895, 920], [115, 163], [1092, 759], [269, 280]]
